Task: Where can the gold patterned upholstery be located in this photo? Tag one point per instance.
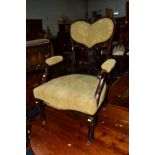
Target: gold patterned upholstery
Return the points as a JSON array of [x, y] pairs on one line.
[[91, 34], [71, 92]]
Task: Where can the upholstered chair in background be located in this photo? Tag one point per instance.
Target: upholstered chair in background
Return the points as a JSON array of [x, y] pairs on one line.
[[80, 92], [119, 54]]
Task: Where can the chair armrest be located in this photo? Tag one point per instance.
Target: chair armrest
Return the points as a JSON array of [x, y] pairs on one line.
[[108, 65], [50, 62], [53, 60]]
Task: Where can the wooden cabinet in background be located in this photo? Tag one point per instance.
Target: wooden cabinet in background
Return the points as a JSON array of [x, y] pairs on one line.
[[36, 52]]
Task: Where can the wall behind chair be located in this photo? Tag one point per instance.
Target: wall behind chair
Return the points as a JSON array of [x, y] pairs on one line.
[[51, 10], [116, 5]]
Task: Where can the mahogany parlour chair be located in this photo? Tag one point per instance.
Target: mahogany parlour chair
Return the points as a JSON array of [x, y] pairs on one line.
[[79, 92]]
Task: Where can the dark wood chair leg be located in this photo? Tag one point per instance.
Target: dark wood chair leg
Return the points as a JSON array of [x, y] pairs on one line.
[[42, 111], [92, 120]]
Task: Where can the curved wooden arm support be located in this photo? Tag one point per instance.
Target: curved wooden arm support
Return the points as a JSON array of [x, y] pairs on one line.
[[45, 75], [101, 76]]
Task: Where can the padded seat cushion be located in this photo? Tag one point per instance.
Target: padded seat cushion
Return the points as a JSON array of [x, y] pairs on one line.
[[71, 92]]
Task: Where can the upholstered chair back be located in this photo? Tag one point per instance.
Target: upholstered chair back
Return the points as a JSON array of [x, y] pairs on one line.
[[92, 34], [91, 43]]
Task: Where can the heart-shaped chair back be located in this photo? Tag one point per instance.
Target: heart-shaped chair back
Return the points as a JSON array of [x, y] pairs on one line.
[[90, 34]]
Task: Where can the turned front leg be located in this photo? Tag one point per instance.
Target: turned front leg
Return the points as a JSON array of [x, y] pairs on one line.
[[92, 120]]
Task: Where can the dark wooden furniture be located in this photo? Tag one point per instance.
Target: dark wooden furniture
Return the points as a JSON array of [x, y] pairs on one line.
[[122, 61], [36, 52], [34, 29], [119, 91], [90, 55], [121, 30], [62, 41], [121, 37]]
